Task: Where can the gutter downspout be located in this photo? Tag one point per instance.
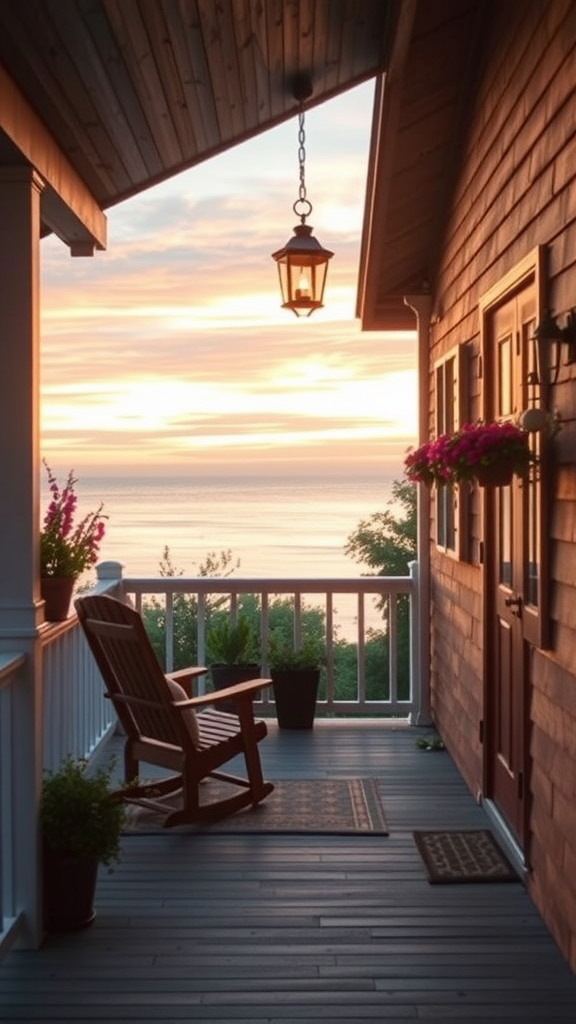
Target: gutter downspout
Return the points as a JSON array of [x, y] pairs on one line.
[[422, 305]]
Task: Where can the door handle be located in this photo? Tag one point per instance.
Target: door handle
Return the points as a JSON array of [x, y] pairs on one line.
[[514, 602]]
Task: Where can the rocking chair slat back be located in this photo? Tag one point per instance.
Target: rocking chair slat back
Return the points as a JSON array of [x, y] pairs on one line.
[[163, 726]]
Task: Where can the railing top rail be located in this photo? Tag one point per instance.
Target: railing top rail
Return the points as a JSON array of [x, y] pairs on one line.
[[270, 585], [9, 663]]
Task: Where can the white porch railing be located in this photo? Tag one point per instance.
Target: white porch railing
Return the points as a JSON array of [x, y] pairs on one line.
[[305, 593], [76, 717], [10, 912]]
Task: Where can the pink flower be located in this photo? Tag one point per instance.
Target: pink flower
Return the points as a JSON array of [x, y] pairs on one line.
[[452, 458], [417, 463], [65, 549]]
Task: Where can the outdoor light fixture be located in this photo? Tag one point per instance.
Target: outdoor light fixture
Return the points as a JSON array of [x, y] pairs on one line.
[[550, 338], [302, 263]]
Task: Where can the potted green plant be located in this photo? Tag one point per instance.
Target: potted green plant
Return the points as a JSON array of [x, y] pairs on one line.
[[295, 674], [81, 820], [232, 652], [66, 549]]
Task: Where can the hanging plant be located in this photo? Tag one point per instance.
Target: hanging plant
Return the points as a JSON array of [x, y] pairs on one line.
[[469, 453]]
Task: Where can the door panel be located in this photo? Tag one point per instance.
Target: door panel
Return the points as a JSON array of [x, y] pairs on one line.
[[508, 722], [509, 541]]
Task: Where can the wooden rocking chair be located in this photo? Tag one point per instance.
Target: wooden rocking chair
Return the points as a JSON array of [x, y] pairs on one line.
[[165, 726]]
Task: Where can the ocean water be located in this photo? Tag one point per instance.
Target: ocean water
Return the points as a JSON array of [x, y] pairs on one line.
[[274, 527]]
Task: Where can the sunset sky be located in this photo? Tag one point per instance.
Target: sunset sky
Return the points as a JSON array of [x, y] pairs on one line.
[[170, 353]]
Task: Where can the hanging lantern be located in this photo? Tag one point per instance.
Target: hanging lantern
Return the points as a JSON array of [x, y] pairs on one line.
[[302, 263]]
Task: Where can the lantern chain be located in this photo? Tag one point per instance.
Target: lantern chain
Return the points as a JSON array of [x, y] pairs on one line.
[[302, 207]]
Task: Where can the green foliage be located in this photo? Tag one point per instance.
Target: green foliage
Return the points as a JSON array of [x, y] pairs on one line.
[[376, 666], [311, 650], [386, 541], [79, 814], [281, 620], [283, 654], [232, 643], [185, 608]]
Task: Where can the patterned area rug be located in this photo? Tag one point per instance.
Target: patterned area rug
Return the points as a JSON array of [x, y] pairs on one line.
[[469, 856], [337, 806]]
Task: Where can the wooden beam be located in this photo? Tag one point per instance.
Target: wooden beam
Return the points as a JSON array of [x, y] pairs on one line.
[[387, 104], [68, 208]]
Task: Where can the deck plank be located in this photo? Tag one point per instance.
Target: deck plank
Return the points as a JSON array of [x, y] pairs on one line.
[[285, 929]]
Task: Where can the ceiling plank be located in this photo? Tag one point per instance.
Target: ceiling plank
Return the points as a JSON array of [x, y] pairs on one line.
[[136, 91]]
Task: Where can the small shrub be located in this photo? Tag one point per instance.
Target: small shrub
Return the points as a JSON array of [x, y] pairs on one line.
[[79, 813], [231, 643]]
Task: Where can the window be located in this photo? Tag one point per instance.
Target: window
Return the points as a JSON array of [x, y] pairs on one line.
[[449, 380]]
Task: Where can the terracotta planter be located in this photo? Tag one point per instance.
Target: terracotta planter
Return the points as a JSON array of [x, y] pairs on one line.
[[498, 474], [69, 886], [295, 692], [57, 593]]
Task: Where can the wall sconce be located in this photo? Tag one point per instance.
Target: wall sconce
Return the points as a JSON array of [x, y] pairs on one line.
[[302, 263], [539, 421], [551, 338]]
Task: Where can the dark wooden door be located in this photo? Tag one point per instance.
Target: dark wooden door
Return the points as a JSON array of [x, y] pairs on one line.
[[511, 563]]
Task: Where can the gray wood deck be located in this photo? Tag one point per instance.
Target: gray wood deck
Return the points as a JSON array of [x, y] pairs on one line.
[[292, 929]]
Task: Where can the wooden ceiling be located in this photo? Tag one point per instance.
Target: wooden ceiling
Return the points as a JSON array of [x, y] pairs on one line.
[[106, 98], [135, 91]]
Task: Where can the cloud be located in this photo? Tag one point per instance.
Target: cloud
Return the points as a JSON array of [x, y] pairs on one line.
[[172, 345]]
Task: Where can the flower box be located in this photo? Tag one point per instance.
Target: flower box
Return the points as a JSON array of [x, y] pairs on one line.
[[487, 453]]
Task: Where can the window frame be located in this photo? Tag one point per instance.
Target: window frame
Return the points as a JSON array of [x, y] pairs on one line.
[[451, 501]]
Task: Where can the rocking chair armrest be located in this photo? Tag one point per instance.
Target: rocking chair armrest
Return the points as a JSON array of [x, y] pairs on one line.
[[184, 675], [245, 689]]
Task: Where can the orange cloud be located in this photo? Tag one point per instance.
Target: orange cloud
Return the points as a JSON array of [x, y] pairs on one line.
[[172, 345]]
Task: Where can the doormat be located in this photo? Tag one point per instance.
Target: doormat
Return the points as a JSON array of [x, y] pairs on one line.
[[469, 856], [336, 806]]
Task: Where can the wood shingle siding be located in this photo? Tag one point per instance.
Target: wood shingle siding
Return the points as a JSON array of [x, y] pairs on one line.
[[515, 190]]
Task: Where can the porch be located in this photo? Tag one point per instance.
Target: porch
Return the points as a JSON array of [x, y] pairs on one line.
[[281, 929], [52, 702]]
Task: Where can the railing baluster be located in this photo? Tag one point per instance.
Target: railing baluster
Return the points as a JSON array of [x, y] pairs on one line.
[[201, 640], [361, 659], [329, 647], [169, 632], [393, 647], [264, 628], [297, 620]]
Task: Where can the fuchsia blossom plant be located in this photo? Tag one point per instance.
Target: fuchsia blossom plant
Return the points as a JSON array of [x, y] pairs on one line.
[[66, 549], [453, 458], [418, 465]]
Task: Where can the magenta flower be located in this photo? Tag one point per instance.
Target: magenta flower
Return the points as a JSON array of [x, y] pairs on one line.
[[453, 458], [417, 464], [65, 549]]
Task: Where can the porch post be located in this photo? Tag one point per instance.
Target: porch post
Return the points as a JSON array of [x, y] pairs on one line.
[[422, 304], [20, 606]]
